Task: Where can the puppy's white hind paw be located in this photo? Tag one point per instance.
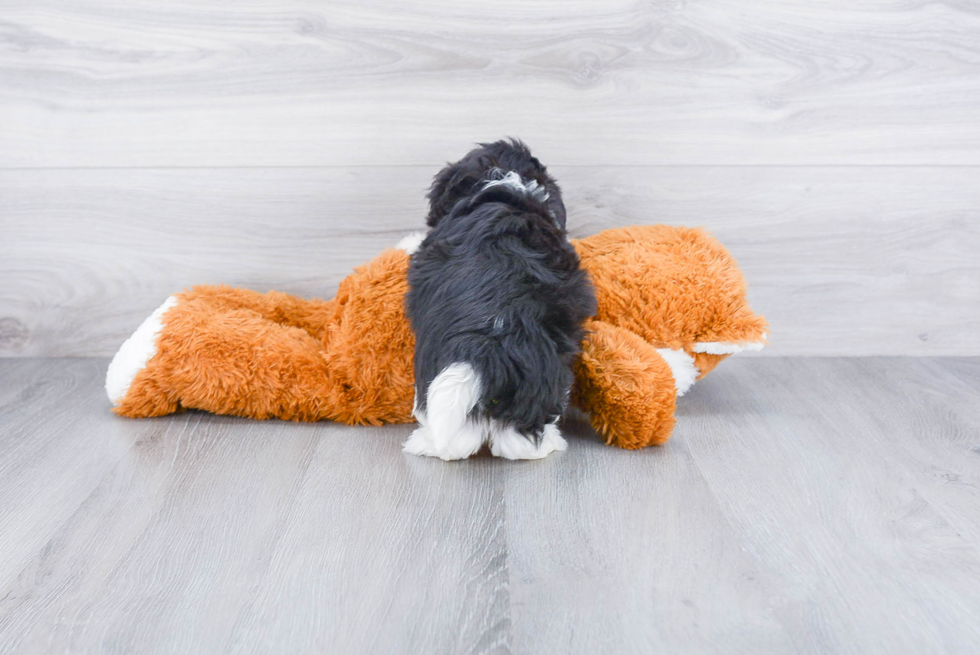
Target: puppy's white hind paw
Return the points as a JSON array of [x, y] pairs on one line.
[[420, 443], [461, 445], [551, 438], [509, 443]]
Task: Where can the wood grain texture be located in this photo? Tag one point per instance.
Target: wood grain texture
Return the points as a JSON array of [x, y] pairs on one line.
[[803, 506], [854, 448], [635, 547], [851, 260], [299, 82], [833, 146], [330, 548]]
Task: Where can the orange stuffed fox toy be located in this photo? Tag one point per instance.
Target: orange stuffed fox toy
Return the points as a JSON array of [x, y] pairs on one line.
[[671, 306]]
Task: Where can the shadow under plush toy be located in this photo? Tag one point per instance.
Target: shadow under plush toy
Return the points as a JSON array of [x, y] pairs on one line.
[[671, 306]]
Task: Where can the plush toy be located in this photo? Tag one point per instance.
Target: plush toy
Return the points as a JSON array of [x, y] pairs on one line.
[[671, 306]]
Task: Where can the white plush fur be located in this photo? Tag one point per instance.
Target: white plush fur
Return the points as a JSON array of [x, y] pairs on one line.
[[411, 242], [514, 181], [682, 367], [727, 348], [447, 431], [135, 352]]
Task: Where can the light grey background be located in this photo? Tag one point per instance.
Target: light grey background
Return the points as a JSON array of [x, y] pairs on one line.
[[834, 147]]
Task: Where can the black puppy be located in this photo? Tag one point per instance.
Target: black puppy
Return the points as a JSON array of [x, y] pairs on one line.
[[497, 300]]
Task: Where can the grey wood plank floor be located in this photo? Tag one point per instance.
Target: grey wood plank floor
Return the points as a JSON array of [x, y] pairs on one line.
[[804, 505]]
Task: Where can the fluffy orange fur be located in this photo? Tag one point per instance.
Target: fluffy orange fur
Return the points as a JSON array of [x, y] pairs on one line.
[[234, 351], [626, 388], [672, 286]]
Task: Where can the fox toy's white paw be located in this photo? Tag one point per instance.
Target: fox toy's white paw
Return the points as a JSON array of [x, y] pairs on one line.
[[411, 242], [134, 354], [682, 367]]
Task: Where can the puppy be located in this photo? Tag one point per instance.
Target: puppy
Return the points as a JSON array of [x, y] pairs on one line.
[[496, 299]]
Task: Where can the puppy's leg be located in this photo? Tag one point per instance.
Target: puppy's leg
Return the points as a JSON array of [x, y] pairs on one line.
[[446, 429], [506, 441]]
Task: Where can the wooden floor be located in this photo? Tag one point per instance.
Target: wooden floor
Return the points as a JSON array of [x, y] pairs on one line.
[[804, 505]]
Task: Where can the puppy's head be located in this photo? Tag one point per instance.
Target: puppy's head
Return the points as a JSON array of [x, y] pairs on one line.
[[504, 162]]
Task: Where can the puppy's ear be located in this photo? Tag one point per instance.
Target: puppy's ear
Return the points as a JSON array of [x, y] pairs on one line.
[[555, 203], [439, 196], [452, 183]]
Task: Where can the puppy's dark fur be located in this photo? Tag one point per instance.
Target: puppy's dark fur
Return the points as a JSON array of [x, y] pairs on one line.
[[497, 285]]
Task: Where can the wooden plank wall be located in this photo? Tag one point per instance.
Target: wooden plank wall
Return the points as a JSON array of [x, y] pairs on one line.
[[150, 145]]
